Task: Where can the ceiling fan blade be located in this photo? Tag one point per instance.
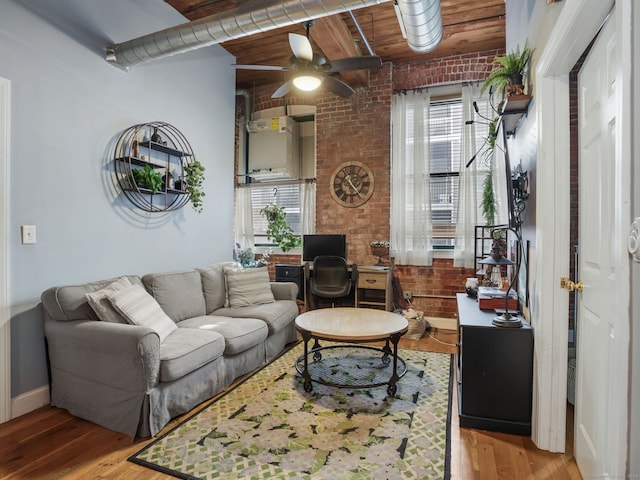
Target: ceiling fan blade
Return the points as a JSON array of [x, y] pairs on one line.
[[354, 63], [300, 46], [338, 87], [283, 89], [260, 67]]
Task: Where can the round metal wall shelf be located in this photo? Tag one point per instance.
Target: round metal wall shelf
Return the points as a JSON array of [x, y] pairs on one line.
[[162, 148]]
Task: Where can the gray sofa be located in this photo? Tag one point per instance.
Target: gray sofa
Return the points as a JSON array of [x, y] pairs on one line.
[[134, 378]]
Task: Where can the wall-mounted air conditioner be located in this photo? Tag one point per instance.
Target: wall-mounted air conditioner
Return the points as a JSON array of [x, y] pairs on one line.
[[274, 149]]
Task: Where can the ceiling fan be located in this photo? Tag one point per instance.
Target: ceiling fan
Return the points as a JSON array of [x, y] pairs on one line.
[[310, 69]]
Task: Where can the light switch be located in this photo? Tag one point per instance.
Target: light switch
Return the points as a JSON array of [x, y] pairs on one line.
[[28, 234]]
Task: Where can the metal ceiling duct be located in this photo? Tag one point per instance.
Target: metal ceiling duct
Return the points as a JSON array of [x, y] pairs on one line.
[[257, 17], [423, 23], [248, 19]]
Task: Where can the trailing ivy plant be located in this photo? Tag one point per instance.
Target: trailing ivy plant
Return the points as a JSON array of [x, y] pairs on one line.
[[278, 230], [488, 199], [194, 172]]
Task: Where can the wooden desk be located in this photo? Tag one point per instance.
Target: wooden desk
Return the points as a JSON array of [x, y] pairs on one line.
[[374, 287]]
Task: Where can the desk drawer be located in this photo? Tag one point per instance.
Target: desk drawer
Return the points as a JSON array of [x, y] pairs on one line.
[[375, 281], [291, 273]]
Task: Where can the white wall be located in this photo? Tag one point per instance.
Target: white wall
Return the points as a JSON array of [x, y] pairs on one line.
[[634, 401], [68, 106]]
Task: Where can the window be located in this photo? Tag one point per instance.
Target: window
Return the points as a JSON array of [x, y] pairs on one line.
[[285, 195], [445, 137], [432, 140]]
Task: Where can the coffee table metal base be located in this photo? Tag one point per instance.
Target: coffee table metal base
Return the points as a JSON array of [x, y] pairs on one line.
[[369, 373]]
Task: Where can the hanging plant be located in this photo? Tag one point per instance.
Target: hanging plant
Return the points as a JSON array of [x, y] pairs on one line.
[[488, 199], [278, 230], [194, 172], [492, 135]]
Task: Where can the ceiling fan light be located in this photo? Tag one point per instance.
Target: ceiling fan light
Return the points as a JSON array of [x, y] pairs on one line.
[[307, 82]]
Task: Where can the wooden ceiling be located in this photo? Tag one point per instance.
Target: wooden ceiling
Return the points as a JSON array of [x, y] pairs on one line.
[[468, 26]]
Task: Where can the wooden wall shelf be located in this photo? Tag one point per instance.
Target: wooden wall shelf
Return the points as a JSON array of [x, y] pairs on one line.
[[515, 107]]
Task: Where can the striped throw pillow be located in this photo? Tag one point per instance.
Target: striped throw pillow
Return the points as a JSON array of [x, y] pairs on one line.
[[248, 286], [140, 308]]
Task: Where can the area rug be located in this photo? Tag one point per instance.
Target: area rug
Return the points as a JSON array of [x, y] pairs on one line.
[[269, 427]]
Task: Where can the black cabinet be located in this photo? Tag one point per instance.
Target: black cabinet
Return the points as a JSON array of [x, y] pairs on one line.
[[291, 273], [494, 371]]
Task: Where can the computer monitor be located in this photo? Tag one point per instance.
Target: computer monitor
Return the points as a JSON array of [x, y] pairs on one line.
[[327, 244]]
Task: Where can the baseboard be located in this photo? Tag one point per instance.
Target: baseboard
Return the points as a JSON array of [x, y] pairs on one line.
[[442, 323], [29, 401]]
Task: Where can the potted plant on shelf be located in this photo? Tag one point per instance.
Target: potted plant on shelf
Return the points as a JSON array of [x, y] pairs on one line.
[[194, 177], [278, 229], [147, 178], [508, 76]]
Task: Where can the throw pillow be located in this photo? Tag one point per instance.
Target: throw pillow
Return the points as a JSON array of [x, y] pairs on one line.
[[248, 286], [102, 306], [140, 308]]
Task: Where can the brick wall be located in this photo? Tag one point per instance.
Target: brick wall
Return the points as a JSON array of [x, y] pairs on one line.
[[471, 67], [359, 128]]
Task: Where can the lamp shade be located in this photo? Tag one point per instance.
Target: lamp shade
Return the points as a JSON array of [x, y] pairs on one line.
[[496, 260], [307, 81]]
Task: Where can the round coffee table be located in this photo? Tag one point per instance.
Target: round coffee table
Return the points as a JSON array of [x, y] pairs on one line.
[[351, 326]]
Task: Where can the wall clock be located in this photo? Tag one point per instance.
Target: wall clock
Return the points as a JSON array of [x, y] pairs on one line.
[[352, 184]]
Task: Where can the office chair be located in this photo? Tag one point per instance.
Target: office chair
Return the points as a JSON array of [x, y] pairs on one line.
[[331, 277]]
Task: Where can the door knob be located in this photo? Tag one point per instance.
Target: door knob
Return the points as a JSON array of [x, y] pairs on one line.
[[571, 286]]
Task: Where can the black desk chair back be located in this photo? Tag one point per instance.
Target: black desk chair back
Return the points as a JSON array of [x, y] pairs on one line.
[[331, 277]]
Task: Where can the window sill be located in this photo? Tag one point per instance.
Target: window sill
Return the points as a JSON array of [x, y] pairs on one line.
[[273, 250], [443, 253]]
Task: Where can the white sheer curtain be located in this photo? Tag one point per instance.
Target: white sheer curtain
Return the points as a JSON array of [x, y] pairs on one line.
[[411, 242], [308, 207], [244, 218], [469, 195], [500, 184]]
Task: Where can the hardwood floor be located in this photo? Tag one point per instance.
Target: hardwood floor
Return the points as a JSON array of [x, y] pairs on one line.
[[51, 444]]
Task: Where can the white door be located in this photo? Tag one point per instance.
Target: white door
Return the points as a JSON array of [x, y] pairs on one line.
[[598, 389]]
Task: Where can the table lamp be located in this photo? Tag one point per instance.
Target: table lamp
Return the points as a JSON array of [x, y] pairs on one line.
[[506, 319]]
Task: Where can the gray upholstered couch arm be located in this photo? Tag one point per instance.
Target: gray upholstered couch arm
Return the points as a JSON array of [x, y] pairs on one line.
[[284, 290], [126, 356]]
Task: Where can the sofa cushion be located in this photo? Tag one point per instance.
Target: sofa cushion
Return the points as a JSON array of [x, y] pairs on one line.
[[186, 350], [138, 307], [214, 286], [69, 303], [276, 315], [178, 293], [248, 286], [102, 305], [239, 334]]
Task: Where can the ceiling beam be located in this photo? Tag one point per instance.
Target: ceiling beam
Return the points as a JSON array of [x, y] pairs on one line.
[[334, 39]]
